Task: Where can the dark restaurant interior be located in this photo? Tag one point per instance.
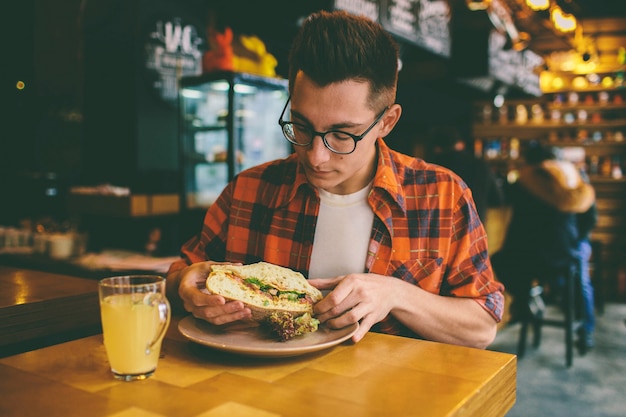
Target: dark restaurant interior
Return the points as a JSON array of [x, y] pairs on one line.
[[98, 139]]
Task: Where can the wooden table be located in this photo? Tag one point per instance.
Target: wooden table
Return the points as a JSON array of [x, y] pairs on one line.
[[38, 308], [381, 375]]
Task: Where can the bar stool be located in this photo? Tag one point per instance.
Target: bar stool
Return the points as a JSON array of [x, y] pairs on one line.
[[572, 322]]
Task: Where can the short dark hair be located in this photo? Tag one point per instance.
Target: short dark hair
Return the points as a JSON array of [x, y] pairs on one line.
[[336, 46]]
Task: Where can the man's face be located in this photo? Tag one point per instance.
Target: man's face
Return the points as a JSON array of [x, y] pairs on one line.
[[340, 106]]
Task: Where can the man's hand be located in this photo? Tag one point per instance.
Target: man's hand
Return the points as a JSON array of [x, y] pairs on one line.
[[203, 305], [364, 298], [369, 298]]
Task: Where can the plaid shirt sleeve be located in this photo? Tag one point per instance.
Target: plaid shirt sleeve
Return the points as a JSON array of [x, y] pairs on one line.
[[427, 232]]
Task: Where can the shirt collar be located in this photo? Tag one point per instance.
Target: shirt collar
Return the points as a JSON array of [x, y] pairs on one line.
[[388, 178], [386, 181]]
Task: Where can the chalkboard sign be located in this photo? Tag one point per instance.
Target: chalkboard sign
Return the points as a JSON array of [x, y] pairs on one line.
[[425, 23], [367, 8], [173, 48], [513, 67]]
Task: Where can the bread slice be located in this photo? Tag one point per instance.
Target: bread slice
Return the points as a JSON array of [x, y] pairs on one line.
[[265, 288]]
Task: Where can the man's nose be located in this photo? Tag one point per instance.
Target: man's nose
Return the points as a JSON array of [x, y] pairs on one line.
[[318, 152]]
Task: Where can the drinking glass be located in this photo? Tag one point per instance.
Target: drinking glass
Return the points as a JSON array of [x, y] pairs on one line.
[[135, 315]]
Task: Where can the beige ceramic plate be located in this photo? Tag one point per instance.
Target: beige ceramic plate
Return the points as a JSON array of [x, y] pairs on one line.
[[251, 340]]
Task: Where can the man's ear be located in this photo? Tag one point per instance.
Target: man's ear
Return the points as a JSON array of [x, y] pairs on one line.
[[390, 119]]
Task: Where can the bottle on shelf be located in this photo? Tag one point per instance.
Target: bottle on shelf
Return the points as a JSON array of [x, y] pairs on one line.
[[606, 167], [616, 168], [503, 114], [603, 98], [478, 148], [521, 114], [537, 113], [594, 165], [514, 148]]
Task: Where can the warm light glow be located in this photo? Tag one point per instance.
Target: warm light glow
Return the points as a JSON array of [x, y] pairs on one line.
[[538, 4], [585, 67], [545, 80], [607, 82], [20, 85], [580, 83], [477, 4], [557, 83], [561, 20]]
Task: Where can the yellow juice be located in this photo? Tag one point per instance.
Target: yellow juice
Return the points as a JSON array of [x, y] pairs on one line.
[[129, 326]]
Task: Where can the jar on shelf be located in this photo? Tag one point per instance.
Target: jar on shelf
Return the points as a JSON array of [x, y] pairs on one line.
[[503, 114], [478, 148], [596, 136], [616, 168], [572, 98], [537, 113], [594, 165], [493, 149], [514, 148], [582, 136], [521, 114], [596, 117], [603, 97], [606, 166], [487, 113]]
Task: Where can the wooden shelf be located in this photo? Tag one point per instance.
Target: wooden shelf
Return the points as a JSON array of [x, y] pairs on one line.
[[584, 106], [138, 205], [486, 129]]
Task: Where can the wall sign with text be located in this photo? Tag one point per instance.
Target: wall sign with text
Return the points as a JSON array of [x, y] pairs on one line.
[[424, 23], [173, 49], [513, 67]]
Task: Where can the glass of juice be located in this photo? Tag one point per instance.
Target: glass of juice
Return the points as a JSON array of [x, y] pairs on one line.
[[135, 315]]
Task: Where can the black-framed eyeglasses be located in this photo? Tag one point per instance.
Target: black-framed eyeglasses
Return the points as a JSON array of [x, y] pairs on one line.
[[337, 141]]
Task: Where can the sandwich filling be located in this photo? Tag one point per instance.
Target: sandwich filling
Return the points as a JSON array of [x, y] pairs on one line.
[[271, 292]]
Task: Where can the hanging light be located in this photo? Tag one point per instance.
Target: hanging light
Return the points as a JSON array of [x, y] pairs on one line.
[[562, 21], [538, 5]]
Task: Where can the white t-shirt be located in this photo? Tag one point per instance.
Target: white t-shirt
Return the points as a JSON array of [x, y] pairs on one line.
[[342, 234]]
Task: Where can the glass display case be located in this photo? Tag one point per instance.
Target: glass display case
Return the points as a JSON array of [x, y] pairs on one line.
[[228, 122]]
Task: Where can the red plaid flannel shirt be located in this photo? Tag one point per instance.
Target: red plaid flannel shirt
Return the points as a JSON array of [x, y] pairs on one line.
[[426, 230]]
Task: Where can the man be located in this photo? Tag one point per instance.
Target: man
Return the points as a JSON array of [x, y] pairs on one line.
[[447, 149], [397, 243]]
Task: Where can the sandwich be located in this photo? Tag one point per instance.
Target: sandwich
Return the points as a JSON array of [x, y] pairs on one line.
[[279, 298]]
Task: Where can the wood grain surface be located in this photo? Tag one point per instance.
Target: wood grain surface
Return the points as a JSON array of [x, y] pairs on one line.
[[381, 375]]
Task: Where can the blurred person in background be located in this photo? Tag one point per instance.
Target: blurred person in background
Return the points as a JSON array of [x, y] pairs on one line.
[[553, 215], [447, 148]]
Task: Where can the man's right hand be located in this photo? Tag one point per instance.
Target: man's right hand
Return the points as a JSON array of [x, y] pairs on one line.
[[204, 305]]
